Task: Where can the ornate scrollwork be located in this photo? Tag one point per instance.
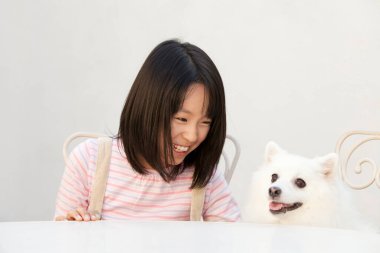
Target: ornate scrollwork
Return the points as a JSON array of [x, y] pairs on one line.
[[358, 169]]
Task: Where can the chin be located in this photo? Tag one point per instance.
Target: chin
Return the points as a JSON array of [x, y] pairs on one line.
[[177, 162]]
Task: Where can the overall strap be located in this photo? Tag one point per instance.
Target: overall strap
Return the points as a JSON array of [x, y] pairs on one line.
[[197, 201], [101, 175]]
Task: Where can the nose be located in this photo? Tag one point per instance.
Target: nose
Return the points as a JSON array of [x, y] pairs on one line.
[[191, 133], [274, 191]]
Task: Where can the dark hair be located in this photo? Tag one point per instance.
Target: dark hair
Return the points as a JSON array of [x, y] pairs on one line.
[[156, 95]]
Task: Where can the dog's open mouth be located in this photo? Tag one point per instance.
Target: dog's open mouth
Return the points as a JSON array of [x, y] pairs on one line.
[[277, 207]]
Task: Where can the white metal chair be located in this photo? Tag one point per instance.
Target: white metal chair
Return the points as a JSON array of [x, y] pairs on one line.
[[359, 160], [353, 149], [75, 136], [229, 165]]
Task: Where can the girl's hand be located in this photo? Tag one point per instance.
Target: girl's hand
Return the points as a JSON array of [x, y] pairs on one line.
[[79, 215]]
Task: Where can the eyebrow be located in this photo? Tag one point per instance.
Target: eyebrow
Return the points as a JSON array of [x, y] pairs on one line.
[[189, 112], [185, 111]]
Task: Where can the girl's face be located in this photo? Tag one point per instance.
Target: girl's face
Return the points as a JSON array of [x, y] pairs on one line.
[[190, 125]]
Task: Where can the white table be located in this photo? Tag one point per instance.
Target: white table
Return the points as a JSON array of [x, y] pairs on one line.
[[124, 236]]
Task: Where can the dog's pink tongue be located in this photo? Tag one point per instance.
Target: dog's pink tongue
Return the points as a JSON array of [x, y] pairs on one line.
[[275, 206]]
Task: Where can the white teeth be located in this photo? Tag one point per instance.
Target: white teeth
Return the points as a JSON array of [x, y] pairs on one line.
[[179, 148]]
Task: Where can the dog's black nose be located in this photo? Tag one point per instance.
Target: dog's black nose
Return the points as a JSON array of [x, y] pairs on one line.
[[274, 191]]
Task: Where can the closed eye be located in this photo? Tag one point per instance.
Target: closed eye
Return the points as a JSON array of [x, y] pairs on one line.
[[207, 122], [181, 119]]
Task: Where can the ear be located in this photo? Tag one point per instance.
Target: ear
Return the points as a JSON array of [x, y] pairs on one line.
[[271, 150], [328, 163]]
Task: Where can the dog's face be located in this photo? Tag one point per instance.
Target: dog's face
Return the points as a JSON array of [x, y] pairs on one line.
[[291, 189], [294, 183]]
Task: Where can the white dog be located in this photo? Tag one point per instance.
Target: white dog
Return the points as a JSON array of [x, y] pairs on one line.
[[290, 189]]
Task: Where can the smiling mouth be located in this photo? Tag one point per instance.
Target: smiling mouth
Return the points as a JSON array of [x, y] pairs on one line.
[[278, 207], [180, 149]]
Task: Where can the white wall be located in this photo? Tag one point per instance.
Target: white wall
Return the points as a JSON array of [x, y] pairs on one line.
[[300, 72]]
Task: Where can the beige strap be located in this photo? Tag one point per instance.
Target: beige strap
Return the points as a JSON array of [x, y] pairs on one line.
[[197, 201], [101, 175]]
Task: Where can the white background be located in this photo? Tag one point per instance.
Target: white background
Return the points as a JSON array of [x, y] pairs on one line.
[[300, 72]]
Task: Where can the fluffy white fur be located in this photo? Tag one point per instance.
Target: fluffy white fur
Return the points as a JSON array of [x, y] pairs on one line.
[[325, 200]]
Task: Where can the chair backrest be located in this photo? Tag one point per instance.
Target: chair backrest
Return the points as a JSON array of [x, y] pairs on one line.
[[75, 136], [229, 165], [359, 160], [359, 151]]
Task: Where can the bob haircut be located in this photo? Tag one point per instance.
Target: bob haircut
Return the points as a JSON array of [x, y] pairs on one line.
[[158, 93]]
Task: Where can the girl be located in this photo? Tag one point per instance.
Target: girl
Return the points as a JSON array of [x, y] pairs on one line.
[[171, 135]]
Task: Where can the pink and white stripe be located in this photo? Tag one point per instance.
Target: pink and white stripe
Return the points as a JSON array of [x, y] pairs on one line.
[[131, 196]]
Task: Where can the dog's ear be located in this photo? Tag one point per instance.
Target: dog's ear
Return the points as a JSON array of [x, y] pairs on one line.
[[328, 163], [271, 150]]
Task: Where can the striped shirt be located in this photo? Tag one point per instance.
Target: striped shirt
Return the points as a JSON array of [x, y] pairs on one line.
[[131, 196]]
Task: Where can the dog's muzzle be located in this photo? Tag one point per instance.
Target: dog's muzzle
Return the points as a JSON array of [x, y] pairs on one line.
[[278, 207]]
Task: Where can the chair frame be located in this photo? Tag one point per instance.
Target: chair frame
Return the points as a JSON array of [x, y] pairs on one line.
[[230, 167], [365, 137]]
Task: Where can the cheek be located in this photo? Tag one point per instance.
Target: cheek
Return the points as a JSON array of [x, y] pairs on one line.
[[203, 134], [174, 128]]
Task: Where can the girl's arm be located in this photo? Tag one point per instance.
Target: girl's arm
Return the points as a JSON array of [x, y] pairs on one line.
[[219, 203], [72, 198]]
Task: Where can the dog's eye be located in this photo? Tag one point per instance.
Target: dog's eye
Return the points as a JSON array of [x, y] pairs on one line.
[[300, 183], [274, 178]]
